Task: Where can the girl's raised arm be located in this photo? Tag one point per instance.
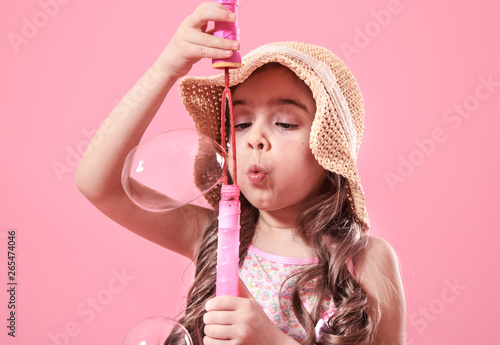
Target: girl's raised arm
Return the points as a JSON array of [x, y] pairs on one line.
[[98, 176]]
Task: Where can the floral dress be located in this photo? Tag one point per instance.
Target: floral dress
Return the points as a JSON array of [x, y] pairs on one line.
[[264, 274]]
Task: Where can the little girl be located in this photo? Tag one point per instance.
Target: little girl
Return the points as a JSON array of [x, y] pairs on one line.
[[309, 272]]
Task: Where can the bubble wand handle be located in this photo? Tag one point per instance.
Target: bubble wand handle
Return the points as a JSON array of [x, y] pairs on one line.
[[228, 236], [228, 31], [228, 241]]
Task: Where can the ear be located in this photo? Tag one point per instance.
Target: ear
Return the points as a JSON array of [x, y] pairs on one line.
[[242, 290]]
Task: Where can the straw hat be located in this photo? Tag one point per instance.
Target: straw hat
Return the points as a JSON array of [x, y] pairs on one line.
[[337, 128]]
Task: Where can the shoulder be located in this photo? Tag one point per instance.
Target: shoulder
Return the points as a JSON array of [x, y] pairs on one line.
[[378, 273], [378, 269], [379, 257]]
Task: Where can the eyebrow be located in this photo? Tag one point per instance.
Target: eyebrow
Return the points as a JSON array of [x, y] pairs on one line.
[[277, 101]]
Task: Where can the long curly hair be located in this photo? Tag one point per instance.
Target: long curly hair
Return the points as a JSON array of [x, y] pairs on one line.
[[329, 227]]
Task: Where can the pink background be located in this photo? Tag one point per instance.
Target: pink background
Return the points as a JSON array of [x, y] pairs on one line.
[[65, 75]]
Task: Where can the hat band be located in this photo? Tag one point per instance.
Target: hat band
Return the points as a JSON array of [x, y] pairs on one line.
[[327, 77]]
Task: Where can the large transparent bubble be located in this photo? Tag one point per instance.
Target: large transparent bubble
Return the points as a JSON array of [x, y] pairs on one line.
[[158, 330], [171, 169]]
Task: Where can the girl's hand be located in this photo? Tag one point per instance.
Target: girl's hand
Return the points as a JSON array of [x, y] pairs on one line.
[[240, 320], [192, 41]]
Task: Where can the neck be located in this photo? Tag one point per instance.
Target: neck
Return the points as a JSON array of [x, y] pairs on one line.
[[277, 233], [276, 220]]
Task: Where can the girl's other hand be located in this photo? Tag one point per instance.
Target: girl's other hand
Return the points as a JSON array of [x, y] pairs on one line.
[[240, 320], [192, 41]]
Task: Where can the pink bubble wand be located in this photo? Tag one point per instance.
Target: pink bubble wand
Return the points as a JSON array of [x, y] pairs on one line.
[[228, 235]]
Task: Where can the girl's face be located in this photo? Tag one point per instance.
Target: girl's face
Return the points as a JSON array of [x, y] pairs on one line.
[[273, 112]]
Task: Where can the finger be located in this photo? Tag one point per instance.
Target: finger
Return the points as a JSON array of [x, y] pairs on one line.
[[195, 52], [210, 11], [208, 40], [211, 341], [220, 303], [221, 332], [218, 317]]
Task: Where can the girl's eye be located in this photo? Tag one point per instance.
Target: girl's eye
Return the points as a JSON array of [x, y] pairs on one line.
[[286, 125], [241, 126]]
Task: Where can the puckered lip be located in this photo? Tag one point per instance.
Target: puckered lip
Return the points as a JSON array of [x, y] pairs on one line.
[[256, 174], [256, 169]]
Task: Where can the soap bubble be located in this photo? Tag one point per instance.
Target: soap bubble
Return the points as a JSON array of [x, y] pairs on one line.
[[158, 330], [171, 169]]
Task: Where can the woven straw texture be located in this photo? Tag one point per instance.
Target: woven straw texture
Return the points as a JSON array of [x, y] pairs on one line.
[[328, 141]]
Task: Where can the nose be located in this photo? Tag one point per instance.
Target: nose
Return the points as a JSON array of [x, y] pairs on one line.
[[258, 139]]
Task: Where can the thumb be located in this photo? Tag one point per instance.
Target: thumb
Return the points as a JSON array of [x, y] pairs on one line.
[[242, 290]]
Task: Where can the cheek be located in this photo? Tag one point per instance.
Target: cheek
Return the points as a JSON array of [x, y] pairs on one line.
[[298, 150], [304, 161]]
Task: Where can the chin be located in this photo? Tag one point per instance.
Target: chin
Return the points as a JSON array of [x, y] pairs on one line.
[[261, 204]]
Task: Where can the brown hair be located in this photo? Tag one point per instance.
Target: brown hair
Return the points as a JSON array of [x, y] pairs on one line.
[[330, 228]]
